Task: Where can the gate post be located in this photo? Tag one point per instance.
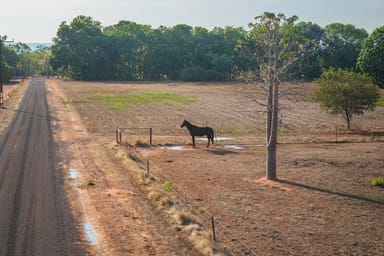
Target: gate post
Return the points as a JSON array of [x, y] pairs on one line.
[[150, 136], [118, 136]]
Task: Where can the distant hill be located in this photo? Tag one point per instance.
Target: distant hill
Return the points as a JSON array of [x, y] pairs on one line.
[[34, 46]]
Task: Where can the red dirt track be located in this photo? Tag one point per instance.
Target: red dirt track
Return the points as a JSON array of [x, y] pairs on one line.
[[35, 218]]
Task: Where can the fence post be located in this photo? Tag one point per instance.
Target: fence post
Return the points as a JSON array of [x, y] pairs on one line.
[[213, 229], [117, 136], [147, 167], [150, 136]]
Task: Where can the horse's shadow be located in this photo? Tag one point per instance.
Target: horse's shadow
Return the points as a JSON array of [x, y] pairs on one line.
[[221, 152]]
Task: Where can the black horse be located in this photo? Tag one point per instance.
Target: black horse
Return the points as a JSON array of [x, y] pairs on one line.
[[199, 131]]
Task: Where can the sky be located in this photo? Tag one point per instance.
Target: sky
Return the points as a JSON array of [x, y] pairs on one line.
[[38, 21]]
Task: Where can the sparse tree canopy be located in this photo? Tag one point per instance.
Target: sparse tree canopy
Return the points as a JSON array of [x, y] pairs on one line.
[[346, 93], [275, 50]]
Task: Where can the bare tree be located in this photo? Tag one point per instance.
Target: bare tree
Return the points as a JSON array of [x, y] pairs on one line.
[[276, 47]]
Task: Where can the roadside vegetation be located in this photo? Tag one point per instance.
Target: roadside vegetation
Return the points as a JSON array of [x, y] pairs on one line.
[[380, 102]]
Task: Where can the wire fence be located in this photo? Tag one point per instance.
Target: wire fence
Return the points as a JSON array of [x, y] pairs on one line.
[[232, 242], [125, 134]]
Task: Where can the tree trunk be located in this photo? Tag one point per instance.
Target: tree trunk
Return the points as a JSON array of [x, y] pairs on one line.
[[348, 118], [271, 162], [272, 140], [269, 115]]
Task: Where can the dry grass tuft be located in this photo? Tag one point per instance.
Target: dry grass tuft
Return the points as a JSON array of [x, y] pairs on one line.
[[203, 242], [166, 202], [184, 218], [154, 196]]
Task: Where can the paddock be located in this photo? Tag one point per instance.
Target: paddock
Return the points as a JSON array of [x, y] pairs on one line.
[[323, 202]]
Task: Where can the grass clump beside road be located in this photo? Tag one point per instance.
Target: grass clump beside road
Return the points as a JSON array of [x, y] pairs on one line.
[[380, 102], [120, 101]]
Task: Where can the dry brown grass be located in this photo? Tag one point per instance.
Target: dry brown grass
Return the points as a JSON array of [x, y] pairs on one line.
[[323, 204], [181, 219]]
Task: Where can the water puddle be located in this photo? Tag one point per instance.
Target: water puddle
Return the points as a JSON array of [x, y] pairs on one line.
[[233, 147], [223, 138], [90, 233], [73, 174], [173, 147]]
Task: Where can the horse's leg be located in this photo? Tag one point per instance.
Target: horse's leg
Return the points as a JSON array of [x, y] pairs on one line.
[[193, 141], [208, 141]]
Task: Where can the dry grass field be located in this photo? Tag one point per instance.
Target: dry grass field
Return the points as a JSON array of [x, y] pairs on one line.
[[322, 204]]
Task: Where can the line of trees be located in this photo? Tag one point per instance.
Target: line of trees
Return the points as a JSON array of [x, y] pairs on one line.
[[20, 60], [84, 50]]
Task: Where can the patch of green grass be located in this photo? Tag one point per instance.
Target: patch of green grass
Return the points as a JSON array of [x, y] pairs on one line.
[[167, 186], [120, 101], [380, 102], [378, 182], [65, 101]]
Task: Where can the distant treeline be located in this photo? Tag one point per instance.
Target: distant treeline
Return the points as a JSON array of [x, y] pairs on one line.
[[84, 50]]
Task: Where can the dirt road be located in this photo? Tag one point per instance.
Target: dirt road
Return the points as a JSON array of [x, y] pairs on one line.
[[34, 218]]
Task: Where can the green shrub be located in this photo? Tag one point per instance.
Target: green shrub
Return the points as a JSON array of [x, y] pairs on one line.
[[378, 182], [380, 102], [167, 186]]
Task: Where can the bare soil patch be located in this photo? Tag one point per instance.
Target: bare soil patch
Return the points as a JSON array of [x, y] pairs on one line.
[[323, 202]]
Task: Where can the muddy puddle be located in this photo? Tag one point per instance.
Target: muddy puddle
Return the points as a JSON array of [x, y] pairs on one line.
[[173, 148], [73, 173], [233, 147], [90, 233]]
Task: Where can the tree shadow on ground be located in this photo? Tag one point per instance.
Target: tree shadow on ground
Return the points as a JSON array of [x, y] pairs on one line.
[[345, 195]]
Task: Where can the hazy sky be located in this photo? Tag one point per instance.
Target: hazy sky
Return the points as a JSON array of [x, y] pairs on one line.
[[38, 21]]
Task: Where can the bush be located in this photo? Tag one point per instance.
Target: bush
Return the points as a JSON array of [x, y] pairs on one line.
[[346, 93], [378, 182]]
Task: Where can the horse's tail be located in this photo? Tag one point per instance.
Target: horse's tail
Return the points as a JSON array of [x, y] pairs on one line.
[[213, 136]]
